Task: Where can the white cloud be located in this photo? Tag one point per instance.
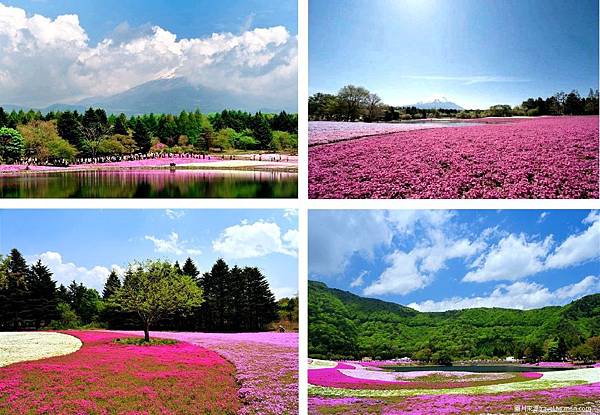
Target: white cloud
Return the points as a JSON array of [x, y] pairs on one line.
[[250, 240], [335, 236], [359, 281], [400, 277], [405, 221], [413, 270], [468, 80], [66, 272], [438, 249], [514, 257], [174, 214], [281, 292], [44, 61], [543, 216], [579, 248], [290, 214], [520, 295], [172, 245]]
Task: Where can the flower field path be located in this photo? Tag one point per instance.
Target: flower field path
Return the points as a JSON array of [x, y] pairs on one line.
[[266, 367]]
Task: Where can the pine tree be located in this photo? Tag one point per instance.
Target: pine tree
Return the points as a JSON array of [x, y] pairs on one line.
[[113, 283], [69, 128], [43, 301], [213, 286], [121, 125], [262, 300], [261, 130], [141, 136], [189, 268], [17, 292]]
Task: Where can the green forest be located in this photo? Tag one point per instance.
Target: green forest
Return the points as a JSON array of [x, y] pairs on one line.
[[345, 326], [159, 294], [61, 137], [354, 103]]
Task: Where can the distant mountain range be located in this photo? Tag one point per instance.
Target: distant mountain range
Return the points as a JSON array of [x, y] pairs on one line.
[[438, 103], [171, 96], [345, 325]]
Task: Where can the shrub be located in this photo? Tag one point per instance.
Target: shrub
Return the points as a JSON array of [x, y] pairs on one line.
[[224, 139], [583, 353], [111, 147], [284, 140], [12, 147], [138, 341]]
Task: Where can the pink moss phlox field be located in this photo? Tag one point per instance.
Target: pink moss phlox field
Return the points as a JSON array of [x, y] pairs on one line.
[[532, 375], [497, 403], [353, 376], [547, 157], [106, 378], [266, 363], [332, 377]]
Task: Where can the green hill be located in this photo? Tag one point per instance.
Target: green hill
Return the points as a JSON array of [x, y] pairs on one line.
[[344, 325]]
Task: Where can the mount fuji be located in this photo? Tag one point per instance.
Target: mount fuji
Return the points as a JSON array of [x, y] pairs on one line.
[[441, 103]]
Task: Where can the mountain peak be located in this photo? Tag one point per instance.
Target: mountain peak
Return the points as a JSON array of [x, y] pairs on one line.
[[442, 103]]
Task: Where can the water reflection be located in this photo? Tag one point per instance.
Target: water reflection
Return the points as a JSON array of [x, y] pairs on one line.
[[151, 184]]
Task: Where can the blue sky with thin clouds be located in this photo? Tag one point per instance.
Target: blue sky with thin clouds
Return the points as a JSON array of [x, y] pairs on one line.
[[474, 52], [85, 244], [439, 260]]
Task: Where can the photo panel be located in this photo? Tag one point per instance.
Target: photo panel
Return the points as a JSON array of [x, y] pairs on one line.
[[149, 311], [137, 99], [467, 311], [461, 99]]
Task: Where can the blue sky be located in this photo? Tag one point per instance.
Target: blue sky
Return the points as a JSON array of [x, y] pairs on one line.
[[67, 50], [187, 18], [85, 244], [474, 52], [440, 260]]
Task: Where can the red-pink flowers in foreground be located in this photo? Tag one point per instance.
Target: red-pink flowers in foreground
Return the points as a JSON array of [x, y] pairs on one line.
[[107, 378], [546, 157]]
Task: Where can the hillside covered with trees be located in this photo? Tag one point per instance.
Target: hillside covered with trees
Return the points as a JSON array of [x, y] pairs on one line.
[[353, 103], [59, 137], [344, 325], [168, 296]]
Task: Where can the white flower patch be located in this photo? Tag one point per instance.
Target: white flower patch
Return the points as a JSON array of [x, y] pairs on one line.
[[320, 364], [21, 347]]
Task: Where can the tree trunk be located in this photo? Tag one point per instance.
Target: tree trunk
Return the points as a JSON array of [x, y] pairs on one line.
[[146, 331]]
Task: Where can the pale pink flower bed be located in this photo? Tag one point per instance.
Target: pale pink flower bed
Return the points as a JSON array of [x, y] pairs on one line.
[[322, 132], [550, 364], [548, 157], [266, 364]]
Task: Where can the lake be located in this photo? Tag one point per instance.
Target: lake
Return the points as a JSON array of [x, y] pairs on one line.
[[475, 368], [151, 184]]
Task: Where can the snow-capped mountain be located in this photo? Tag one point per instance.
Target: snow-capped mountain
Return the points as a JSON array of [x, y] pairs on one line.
[[442, 103], [171, 95]]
